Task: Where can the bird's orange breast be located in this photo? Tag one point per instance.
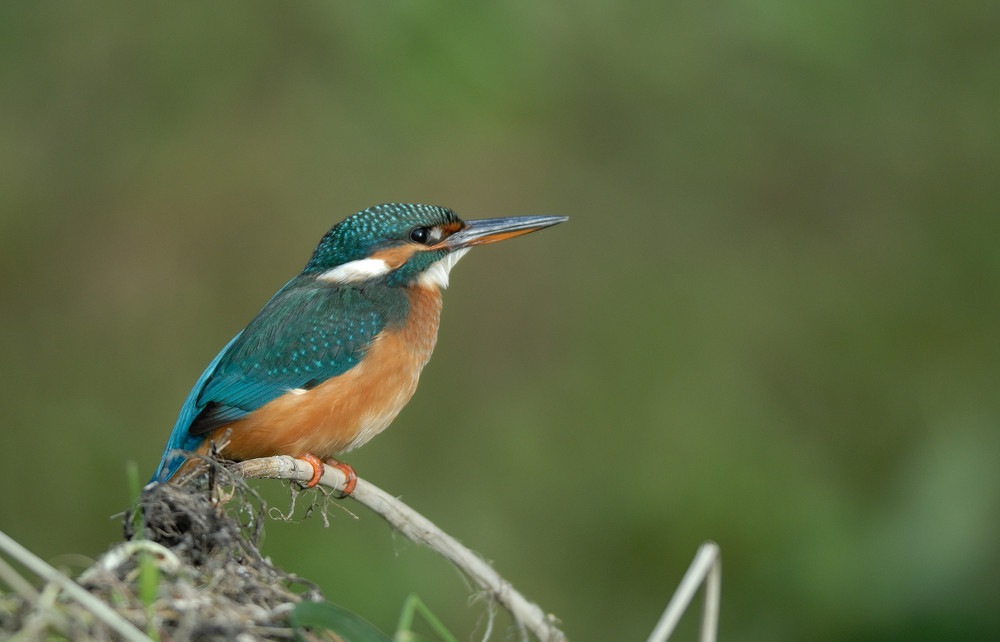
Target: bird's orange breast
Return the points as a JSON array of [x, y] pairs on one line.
[[345, 411]]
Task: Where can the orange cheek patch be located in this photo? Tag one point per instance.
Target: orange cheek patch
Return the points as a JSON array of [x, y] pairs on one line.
[[394, 257]]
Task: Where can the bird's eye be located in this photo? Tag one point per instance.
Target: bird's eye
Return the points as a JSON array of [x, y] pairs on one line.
[[419, 235]]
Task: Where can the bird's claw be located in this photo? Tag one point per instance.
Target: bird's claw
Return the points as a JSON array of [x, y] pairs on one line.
[[348, 470], [317, 466]]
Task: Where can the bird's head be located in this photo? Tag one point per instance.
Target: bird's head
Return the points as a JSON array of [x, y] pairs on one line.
[[406, 243]]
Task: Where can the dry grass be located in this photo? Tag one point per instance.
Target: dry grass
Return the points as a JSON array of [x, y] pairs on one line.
[[190, 568]]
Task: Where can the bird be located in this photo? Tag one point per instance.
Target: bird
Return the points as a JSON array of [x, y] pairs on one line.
[[336, 353]]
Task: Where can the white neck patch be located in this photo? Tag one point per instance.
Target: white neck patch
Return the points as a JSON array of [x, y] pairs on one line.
[[437, 273], [356, 271]]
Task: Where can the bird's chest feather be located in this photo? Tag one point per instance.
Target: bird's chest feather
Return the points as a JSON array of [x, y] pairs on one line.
[[345, 411]]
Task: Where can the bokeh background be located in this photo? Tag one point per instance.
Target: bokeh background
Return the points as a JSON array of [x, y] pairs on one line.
[[771, 320]]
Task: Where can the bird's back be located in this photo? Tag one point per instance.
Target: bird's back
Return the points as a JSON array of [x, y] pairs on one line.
[[292, 377]]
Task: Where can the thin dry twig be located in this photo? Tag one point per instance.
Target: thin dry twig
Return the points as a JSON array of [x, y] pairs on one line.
[[14, 580], [419, 529], [706, 567]]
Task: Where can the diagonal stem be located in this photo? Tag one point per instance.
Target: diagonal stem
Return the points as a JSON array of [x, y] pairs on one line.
[[419, 529]]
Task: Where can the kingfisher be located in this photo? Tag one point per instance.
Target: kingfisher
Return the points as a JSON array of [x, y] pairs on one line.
[[334, 356]]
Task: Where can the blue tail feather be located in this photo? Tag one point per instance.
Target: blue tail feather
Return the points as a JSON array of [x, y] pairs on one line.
[[180, 439]]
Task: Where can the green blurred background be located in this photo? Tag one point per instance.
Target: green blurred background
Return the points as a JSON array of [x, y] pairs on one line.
[[771, 320]]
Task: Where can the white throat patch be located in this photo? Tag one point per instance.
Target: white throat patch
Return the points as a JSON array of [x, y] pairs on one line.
[[356, 271], [437, 273]]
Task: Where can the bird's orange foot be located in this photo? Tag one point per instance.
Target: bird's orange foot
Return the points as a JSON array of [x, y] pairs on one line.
[[317, 466], [348, 470]]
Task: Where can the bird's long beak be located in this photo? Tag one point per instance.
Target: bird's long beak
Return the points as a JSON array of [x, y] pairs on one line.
[[491, 230]]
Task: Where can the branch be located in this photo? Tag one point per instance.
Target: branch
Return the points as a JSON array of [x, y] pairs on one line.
[[419, 529]]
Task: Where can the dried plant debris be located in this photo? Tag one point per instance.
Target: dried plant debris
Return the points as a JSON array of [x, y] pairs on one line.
[[190, 570]]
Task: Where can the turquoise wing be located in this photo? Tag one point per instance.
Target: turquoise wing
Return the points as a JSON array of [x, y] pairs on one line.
[[305, 335]]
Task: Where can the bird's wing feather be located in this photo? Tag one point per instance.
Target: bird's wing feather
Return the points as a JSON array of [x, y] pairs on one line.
[[306, 334], [300, 339]]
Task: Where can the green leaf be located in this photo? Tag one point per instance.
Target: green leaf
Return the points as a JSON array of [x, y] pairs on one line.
[[326, 615]]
